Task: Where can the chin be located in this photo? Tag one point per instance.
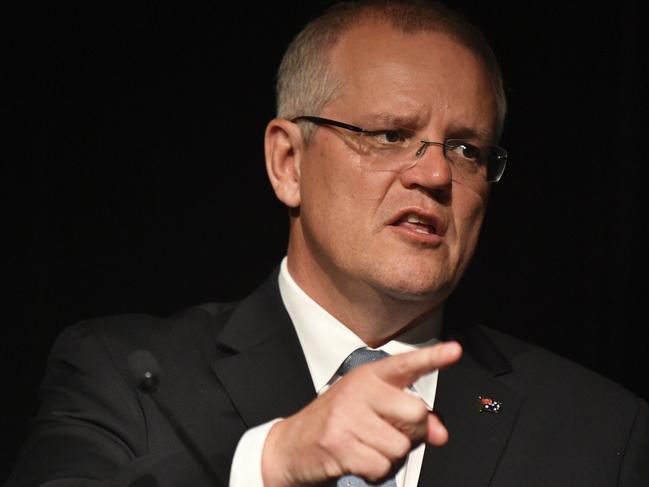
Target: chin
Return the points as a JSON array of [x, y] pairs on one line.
[[417, 287]]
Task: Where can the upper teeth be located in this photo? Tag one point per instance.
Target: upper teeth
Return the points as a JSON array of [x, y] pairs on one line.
[[414, 218]]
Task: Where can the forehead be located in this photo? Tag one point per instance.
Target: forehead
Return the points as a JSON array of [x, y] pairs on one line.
[[425, 75]]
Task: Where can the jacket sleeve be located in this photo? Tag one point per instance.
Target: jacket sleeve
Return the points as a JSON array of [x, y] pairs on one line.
[[634, 471], [91, 429]]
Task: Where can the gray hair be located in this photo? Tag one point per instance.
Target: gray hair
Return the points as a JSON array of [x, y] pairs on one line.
[[305, 84]]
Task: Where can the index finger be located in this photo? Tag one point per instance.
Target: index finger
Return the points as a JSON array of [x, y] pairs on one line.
[[404, 369]]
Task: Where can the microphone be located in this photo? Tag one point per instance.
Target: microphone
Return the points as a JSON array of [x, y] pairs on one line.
[[146, 372]]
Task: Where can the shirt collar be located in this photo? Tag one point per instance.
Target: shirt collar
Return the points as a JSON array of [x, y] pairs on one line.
[[326, 342]]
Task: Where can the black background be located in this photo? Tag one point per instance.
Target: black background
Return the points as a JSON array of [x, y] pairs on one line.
[[137, 181]]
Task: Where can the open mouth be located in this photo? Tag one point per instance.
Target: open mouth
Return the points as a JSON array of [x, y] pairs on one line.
[[416, 220], [417, 223]]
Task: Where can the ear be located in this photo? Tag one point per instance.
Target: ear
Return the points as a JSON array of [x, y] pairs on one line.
[[284, 149]]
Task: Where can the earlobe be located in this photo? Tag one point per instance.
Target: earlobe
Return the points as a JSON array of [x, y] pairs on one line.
[[283, 149]]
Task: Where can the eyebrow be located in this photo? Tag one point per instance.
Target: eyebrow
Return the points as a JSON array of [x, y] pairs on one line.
[[470, 133], [413, 121], [390, 118]]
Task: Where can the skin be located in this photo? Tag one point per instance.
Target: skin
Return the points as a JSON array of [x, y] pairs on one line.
[[347, 253]]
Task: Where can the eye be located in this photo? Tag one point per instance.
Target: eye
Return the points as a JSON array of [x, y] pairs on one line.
[[464, 149], [396, 137], [392, 136]]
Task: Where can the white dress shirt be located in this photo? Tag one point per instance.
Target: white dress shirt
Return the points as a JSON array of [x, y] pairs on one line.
[[326, 342]]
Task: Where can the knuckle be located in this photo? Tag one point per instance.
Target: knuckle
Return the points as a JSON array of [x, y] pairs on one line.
[[383, 468], [336, 411], [334, 435], [416, 411], [378, 469], [420, 410], [332, 468], [402, 446], [332, 440], [403, 365], [350, 383]]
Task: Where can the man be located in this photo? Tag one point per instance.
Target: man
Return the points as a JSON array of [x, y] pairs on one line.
[[384, 152]]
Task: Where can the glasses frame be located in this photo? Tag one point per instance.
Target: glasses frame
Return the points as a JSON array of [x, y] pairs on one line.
[[500, 153]]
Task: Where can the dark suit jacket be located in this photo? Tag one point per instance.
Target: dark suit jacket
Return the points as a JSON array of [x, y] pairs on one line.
[[228, 367]]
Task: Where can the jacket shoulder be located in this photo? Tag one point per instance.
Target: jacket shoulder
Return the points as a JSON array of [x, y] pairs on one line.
[[187, 325], [188, 337]]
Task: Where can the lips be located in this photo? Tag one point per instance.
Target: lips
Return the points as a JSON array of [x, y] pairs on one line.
[[418, 221]]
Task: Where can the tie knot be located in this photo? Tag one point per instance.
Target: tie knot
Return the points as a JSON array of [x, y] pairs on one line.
[[360, 356]]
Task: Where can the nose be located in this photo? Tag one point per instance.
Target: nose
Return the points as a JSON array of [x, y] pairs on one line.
[[429, 170]]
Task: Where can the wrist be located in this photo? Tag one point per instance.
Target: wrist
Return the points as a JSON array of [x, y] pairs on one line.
[[273, 470]]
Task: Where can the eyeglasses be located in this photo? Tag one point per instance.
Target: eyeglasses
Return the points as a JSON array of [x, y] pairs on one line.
[[394, 150]]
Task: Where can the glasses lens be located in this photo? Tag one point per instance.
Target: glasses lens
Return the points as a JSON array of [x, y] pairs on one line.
[[468, 160], [496, 164], [387, 150]]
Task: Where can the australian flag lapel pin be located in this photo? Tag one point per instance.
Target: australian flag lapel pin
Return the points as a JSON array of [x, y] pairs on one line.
[[489, 405]]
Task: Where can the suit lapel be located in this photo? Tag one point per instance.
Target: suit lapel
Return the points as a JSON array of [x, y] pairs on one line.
[[476, 437], [265, 372]]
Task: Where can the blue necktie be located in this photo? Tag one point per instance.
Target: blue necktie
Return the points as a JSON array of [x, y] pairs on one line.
[[356, 358]]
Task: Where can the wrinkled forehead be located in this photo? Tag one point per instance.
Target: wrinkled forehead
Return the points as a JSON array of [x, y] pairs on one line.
[[382, 69]]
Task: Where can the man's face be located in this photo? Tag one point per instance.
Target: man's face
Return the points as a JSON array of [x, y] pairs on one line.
[[353, 229]]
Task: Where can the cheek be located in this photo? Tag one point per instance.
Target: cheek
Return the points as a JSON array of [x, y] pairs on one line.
[[469, 206], [322, 182], [329, 190], [338, 182]]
